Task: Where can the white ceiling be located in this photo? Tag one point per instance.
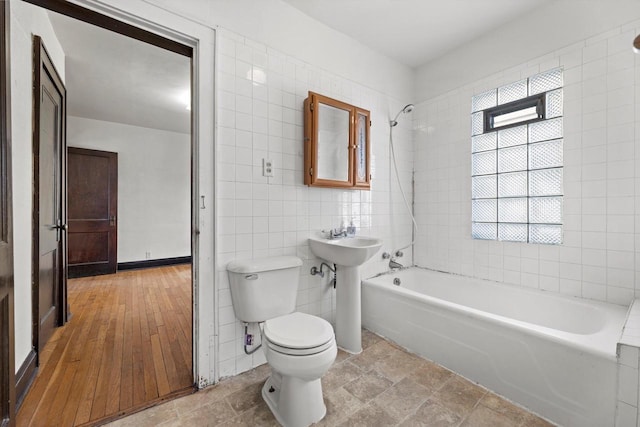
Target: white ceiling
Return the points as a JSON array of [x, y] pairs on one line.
[[115, 78], [415, 32]]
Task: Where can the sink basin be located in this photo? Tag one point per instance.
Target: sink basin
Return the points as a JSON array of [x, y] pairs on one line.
[[348, 251]]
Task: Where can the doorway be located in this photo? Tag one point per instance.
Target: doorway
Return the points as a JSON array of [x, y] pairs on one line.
[[170, 338]]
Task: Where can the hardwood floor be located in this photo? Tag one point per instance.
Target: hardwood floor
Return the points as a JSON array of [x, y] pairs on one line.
[[127, 346]]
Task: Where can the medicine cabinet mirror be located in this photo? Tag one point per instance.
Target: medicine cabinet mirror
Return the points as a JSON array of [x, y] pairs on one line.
[[336, 143]]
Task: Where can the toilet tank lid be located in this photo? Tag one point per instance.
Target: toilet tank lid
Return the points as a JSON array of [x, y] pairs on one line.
[[256, 265]]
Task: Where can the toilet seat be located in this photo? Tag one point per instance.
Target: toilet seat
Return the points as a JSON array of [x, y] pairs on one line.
[[298, 334], [299, 351]]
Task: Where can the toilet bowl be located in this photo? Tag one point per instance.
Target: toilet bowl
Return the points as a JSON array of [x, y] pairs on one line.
[[299, 347]]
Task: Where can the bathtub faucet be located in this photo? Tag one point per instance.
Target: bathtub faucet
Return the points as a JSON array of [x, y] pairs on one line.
[[393, 264]]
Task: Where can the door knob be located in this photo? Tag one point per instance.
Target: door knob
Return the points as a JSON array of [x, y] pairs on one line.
[[59, 226]]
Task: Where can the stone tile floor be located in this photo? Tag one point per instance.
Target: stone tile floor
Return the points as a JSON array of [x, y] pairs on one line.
[[382, 386]]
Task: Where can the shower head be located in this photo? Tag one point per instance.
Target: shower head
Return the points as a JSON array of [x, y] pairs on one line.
[[406, 110]]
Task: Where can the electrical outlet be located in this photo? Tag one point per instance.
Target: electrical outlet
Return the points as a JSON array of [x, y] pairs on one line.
[[267, 167]]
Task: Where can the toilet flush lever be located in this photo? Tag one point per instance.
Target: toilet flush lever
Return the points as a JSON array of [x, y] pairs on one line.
[[251, 277]]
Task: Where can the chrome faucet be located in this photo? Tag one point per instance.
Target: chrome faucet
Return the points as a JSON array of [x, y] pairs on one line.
[[394, 264], [337, 233]]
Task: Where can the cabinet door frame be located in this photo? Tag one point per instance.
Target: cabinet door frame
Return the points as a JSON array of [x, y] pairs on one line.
[[312, 118], [312, 129], [365, 183]]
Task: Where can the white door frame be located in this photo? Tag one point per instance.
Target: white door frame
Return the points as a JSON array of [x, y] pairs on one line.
[[202, 39]]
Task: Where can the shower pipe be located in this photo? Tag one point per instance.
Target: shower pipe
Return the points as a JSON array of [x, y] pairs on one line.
[[393, 123]]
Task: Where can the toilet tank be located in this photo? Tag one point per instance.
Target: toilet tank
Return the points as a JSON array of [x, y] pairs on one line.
[[264, 288]]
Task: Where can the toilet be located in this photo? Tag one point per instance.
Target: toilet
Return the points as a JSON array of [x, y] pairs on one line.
[[299, 347]]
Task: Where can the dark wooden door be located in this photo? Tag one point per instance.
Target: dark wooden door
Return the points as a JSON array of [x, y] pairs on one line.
[[93, 207], [49, 204], [7, 356]]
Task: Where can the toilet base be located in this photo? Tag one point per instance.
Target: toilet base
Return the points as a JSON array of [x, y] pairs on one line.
[[294, 402]]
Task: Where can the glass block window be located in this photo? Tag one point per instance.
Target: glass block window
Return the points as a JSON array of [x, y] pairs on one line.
[[517, 170]]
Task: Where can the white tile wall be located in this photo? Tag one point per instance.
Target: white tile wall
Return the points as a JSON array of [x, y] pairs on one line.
[[628, 413], [600, 257], [260, 97]]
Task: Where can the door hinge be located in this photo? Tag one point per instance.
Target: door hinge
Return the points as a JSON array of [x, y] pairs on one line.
[[311, 171], [311, 106]]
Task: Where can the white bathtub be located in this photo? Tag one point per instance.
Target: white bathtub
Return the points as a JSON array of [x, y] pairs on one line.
[[555, 355]]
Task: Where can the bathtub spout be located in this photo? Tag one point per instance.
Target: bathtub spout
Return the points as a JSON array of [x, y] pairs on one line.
[[393, 264]]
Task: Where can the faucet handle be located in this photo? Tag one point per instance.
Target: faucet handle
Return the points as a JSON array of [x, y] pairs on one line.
[[386, 255], [337, 232]]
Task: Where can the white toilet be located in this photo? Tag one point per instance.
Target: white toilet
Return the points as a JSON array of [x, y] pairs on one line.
[[299, 347]]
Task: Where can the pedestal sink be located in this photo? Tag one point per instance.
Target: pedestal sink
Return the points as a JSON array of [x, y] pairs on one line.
[[348, 254]]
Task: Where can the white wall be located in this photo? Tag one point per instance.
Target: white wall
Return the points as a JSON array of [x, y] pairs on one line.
[[555, 25], [276, 24], [599, 258], [26, 21], [259, 216], [154, 185]]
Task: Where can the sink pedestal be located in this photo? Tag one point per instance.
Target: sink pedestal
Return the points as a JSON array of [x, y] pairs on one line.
[[348, 254], [348, 309]]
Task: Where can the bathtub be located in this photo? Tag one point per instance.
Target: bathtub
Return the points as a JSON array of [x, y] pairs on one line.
[[553, 354]]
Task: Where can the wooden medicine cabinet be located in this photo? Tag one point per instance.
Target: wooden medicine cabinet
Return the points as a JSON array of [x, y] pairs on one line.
[[336, 144]]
